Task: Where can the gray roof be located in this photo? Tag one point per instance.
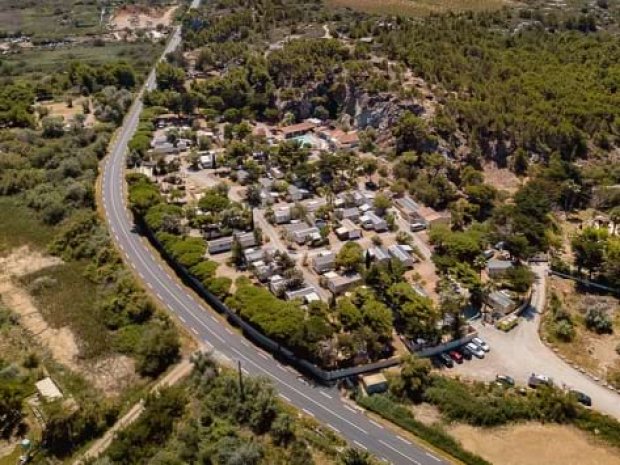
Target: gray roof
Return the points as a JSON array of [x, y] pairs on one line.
[[501, 299], [398, 252], [379, 253], [324, 258], [499, 264]]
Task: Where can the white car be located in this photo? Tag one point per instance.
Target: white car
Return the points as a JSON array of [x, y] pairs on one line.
[[480, 343], [475, 350]]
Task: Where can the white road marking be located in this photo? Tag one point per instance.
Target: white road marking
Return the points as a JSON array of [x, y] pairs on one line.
[[375, 423], [182, 319], [350, 408], [324, 394], [404, 440], [360, 445], [284, 397], [228, 331], [398, 452], [432, 456], [307, 412], [194, 330], [333, 428], [213, 318], [263, 354]]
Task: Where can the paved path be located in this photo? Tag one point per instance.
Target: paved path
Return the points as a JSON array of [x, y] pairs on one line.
[[520, 352], [323, 404]]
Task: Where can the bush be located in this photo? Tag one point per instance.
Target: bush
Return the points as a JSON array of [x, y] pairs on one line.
[[598, 321], [158, 349], [564, 331], [433, 435]]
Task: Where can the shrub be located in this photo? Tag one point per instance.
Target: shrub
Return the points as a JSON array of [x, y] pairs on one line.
[[598, 321], [435, 436], [565, 331]]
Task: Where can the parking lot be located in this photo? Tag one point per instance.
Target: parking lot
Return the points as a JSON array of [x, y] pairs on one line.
[[520, 352]]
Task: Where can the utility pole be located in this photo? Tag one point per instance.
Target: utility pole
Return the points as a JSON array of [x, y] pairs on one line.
[[241, 392]]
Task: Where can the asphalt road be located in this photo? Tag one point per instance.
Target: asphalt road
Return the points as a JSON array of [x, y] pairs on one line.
[[321, 403]]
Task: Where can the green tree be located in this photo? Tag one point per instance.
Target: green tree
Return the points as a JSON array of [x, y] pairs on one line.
[[158, 349], [589, 248], [350, 257], [414, 379]]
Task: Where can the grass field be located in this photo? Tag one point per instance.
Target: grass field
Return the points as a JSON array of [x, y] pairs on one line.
[[49, 18], [19, 226], [66, 298], [417, 7], [41, 61]]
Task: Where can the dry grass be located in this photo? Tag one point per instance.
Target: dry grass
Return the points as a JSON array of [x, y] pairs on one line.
[[522, 445], [418, 7]]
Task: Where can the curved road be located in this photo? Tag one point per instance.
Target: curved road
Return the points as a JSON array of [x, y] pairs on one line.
[[323, 404]]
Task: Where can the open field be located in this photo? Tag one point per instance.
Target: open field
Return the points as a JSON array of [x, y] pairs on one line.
[[140, 17], [523, 444], [594, 352], [19, 226], [26, 61], [49, 18], [417, 7]]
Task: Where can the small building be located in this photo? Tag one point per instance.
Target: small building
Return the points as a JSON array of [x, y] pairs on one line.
[[501, 303], [246, 240], [206, 159], [294, 193], [277, 284], [307, 294], [324, 262], [341, 283], [302, 232], [371, 221], [498, 268], [408, 209], [282, 215], [296, 130], [379, 254], [374, 384], [253, 255], [47, 390], [351, 213], [314, 204], [348, 231], [401, 254], [223, 244]]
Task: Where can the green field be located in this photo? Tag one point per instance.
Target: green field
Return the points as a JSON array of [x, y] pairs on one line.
[[19, 226], [50, 18], [38, 62], [418, 7]]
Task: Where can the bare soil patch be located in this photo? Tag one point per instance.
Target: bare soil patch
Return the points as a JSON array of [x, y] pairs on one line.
[[142, 17], [594, 352], [60, 341], [111, 374], [501, 178], [535, 444], [67, 113], [426, 413]]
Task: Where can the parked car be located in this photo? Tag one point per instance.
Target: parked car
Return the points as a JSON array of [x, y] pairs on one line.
[[505, 380], [480, 343], [475, 350], [464, 352], [446, 360], [539, 380], [582, 398], [456, 356], [414, 227]]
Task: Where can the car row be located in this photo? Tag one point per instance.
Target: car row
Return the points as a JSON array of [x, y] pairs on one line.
[[475, 348]]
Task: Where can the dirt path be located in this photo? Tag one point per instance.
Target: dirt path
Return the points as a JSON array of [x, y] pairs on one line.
[[180, 371], [23, 261]]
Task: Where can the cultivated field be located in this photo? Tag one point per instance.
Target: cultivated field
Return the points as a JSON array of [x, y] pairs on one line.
[[417, 7]]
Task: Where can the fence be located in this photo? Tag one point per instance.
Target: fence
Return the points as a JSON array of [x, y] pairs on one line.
[[585, 282], [284, 354]]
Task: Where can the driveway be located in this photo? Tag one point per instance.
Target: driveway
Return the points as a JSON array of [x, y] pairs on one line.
[[520, 352]]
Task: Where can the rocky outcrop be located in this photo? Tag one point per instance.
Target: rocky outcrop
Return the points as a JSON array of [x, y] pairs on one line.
[[380, 111]]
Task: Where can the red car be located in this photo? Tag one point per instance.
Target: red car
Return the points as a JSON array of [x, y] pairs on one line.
[[456, 356]]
